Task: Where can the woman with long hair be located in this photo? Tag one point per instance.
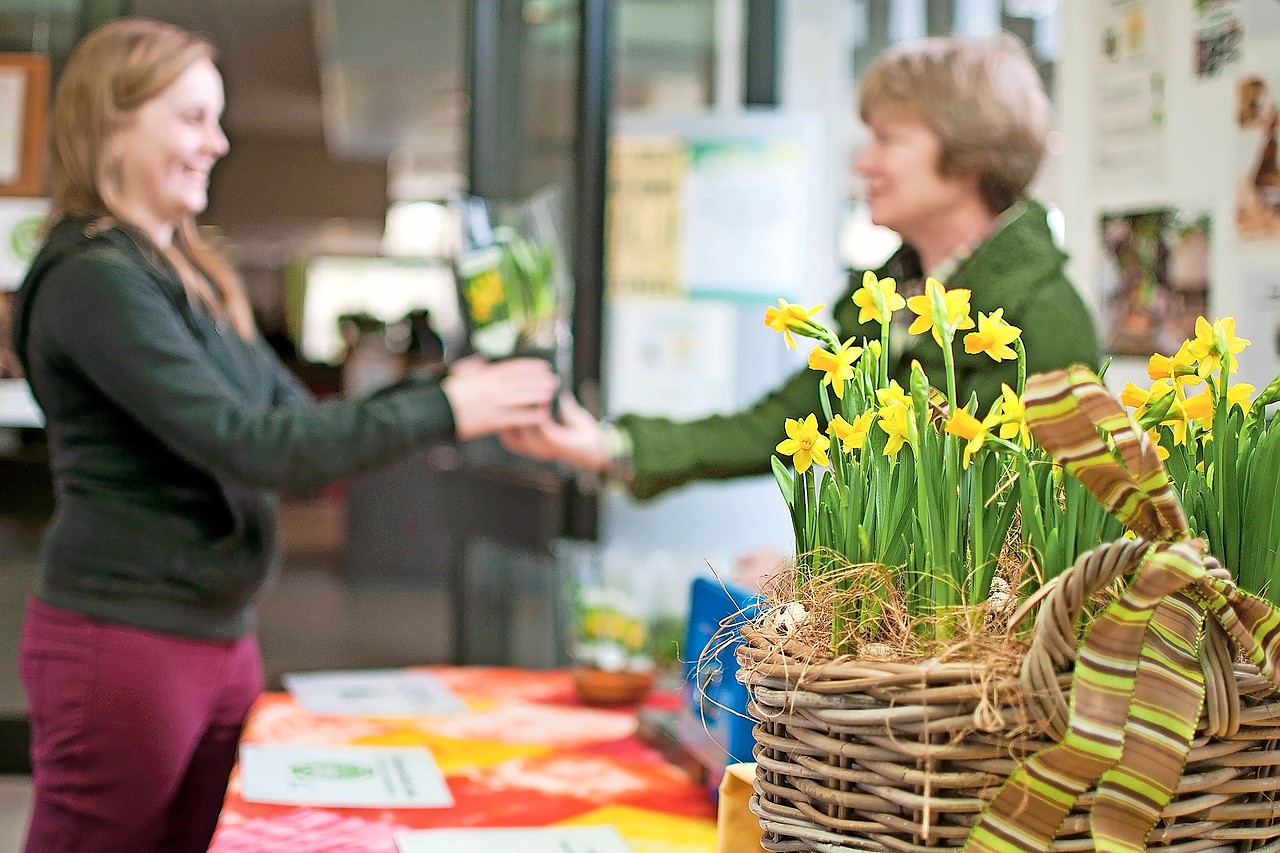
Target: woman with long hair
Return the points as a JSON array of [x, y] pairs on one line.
[[171, 425]]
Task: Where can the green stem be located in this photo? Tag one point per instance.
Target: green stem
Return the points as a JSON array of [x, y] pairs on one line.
[[1022, 364], [884, 353], [948, 359]]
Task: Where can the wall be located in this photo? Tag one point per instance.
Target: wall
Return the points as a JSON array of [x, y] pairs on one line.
[[1204, 152], [714, 522]]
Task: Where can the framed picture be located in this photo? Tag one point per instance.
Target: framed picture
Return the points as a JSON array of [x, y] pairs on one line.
[[24, 103]]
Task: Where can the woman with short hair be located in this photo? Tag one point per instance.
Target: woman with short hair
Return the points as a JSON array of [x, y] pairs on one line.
[[958, 130]]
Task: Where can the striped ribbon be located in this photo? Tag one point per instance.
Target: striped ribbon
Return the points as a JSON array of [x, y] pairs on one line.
[[1139, 682]]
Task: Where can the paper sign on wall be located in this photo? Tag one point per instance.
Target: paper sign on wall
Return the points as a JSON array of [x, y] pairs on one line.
[[675, 356], [1130, 148]]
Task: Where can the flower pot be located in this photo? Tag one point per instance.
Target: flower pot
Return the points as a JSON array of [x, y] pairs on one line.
[[605, 687], [874, 756]]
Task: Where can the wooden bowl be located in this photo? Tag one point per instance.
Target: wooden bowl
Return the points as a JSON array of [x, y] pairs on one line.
[[603, 687]]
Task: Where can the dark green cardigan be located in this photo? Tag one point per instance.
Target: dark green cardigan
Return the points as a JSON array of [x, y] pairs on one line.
[[168, 436], [1019, 269]]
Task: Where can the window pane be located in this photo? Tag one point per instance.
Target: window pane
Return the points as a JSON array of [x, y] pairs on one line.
[[907, 20], [667, 54], [977, 17]]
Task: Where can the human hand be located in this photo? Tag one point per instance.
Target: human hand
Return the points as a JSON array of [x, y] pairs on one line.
[[756, 568], [576, 438], [487, 398]]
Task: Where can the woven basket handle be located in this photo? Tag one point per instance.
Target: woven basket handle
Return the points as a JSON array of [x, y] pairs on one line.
[[1047, 666]]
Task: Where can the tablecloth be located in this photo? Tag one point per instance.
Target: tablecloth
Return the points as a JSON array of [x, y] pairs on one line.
[[527, 754]]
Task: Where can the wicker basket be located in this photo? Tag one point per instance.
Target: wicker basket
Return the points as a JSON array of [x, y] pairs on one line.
[[857, 755]]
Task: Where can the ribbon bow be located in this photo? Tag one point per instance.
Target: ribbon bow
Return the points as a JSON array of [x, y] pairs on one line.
[[1139, 682]]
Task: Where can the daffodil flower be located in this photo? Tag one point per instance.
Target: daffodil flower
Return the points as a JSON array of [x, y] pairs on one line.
[[957, 310], [1199, 407], [1179, 367], [894, 394], [971, 429], [1239, 395], [804, 443], [486, 293], [1137, 399], [865, 298], [1214, 342], [1161, 450], [837, 366], [1182, 411], [895, 420], [788, 318], [1013, 416], [851, 435], [993, 336]]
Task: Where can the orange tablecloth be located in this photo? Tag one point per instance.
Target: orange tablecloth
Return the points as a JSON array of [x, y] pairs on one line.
[[528, 754]]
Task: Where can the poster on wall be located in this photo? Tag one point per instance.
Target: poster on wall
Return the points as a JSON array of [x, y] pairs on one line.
[[645, 176], [1264, 17], [1257, 120], [1219, 33], [716, 207], [1154, 279], [675, 355], [744, 217], [1130, 149]]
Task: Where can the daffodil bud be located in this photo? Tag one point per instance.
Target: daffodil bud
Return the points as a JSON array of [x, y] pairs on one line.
[[919, 382]]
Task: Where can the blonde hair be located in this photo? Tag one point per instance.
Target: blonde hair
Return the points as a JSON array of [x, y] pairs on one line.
[[982, 98], [113, 71]]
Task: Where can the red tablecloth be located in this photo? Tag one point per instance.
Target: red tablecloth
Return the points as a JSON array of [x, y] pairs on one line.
[[528, 754]]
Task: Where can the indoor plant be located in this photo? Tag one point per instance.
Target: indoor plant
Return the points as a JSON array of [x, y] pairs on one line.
[[889, 728]]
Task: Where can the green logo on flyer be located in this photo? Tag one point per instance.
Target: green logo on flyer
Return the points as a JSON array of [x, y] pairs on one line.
[[330, 771], [24, 239]]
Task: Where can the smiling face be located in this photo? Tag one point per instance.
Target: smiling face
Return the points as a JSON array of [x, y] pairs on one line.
[[904, 189], [166, 149]]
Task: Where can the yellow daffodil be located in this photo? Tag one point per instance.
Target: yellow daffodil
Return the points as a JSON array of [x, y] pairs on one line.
[[895, 420], [968, 427], [804, 443], [1198, 407], [1137, 399], [1161, 451], [1013, 416], [485, 292], [838, 366], [851, 435], [1179, 367], [893, 394], [788, 318], [1214, 342], [957, 305], [865, 299], [1183, 412], [1239, 395], [993, 336]]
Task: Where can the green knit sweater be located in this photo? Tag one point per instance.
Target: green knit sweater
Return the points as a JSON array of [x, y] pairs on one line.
[[1019, 268], [169, 434]]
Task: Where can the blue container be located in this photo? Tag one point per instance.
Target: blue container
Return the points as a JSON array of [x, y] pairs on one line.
[[714, 725]]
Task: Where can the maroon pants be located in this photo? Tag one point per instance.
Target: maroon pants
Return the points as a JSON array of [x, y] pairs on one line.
[[133, 732]]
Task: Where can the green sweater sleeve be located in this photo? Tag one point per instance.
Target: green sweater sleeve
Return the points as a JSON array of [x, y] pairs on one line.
[[117, 326], [667, 453]]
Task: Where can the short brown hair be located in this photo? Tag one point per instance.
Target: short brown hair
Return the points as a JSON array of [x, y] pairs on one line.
[[981, 97], [112, 72]]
